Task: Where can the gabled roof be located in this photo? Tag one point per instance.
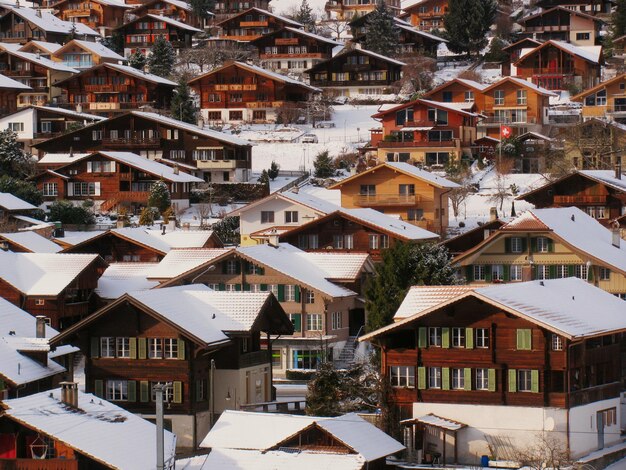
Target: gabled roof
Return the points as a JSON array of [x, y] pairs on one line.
[[468, 83], [62, 112], [10, 202], [348, 50], [516, 44], [165, 172], [459, 108], [18, 368], [341, 266], [50, 47], [606, 177], [302, 198], [16, 322], [258, 71], [180, 260], [405, 168], [10, 84], [239, 430], [591, 54], [108, 3], [263, 12], [42, 61], [520, 82], [559, 8], [299, 32], [165, 19], [94, 47], [126, 69], [183, 5], [420, 298], [50, 23], [121, 278], [98, 429], [31, 242], [589, 91], [558, 305], [411, 29]]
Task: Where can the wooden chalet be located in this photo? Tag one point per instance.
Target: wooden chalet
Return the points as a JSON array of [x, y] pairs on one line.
[[534, 152], [145, 338], [355, 230], [83, 55], [563, 24], [594, 144], [218, 157], [293, 50], [412, 41], [599, 193], [427, 15], [606, 100], [55, 429], [42, 48], [224, 9], [549, 243], [556, 64], [239, 92], [355, 71], [176, 9], [141, 245], [430, 133], [21, 25], [399, 188], [486, 147], [54, 285], [252, 24], [114, 179], [39, 74], [12, 206], [317, 290], [467, 240], [465, 367], [600, 8], [10, 89], [345, 10], [459, 90], [113, 88], [514, 52], [140, 33], [100, 15], [27, 241], [516, 103]]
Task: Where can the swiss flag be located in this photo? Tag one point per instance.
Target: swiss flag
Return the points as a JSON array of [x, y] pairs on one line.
[[505, 131]]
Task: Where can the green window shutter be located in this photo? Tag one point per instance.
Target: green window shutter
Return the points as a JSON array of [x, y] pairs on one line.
[[445, 337], [238, 287], [552, 269], [507, 245], [297, 293], [467, 373], [142, 349], [534, 381], [590, 273], [263, 287], [222, 286], [512, 380], [528, 339], [524, 339], [98, 388], [533, 245], [469, 338], [421, 338], [550, 245], [570, 270], [144, 391], [492, 380], [421, 378], [132, 347], [469, 273], [132, 391], [281, 293], [506, 272], [296, 319], [178, 392], [535, 272], [95, 347], [445, 378], [181, 349], [488, 273], [246, 287]]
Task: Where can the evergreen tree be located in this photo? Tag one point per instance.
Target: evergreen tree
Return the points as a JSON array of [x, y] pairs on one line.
[[21, 188], [162, 58], [467, 23], [67, 213], [273, 171], [183, 107], [495, 53], [115, 42], [323, 165], [264, 178], [227, 230], [619, 19], [137, 60], [13, 160], [202, 8], [305, 16], [382, 32], [160, 196], [404, 265], [148, 216]]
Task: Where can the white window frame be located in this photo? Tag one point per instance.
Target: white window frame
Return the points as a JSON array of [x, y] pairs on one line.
[[516, 244], [170, 348], [290, 293], [107, 346], [557, 342], [337, 320], [543, 244], [434, 377], [480, 272], [481, 338], [524, 380], [402, 376], [457, 379], [434, 337], [458, 337], [117, 390], [123, 347], [515, 272], [314, 322], [155, 348], [481, 379]]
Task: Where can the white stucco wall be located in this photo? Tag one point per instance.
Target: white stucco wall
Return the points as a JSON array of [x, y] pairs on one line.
[[584, 427], [26, 117]]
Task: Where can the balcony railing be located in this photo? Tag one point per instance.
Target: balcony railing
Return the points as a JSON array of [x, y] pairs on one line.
[[366, 200], [546, 28], [253, 359], [594, 394], [253, 24], [122, 141], [580, 199], [286, 41], [217, 164], [418, 143], [555, 71], [106, 88], [236, 87], [618, 108]]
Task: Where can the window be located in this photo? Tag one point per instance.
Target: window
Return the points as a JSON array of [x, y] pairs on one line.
[[306, 358], [609, 417], [543, 271], [516, 245], [84, 189], [267, 217], [482, 338], [497, 272], [406, 190], [515, 273], [458, 337], [276, 358], [236, 97], [296, 321], [543, 244], [373, 242], [155, 348], [367, 190], [314, 321], [438, 116], [50, 189], [434, 377], [235, 115], [404, 115], [168, 392], [231, 266], [274, 289], [557, 343], [605, 274], [469, 96], [447, 97], [309, 298], [521, 97], [384, 241], [117, 390], [434, 336], [580, 271], [337, 320], [458, 379], [343, 242], [107, 346], [123, 347], [562, 271], [291, 217], [171, 348], [16, 126], [582, 36], [402, 376], [414, 214], [498, 97], [479, 272], [482, 379], [290, 293], [524, 380]]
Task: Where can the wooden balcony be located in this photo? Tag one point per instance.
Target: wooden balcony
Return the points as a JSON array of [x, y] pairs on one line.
[[134, 141], [594, 394], [546, 29], [580, 199], [106, 88], [76, 309], [418, 143], [217, 164], [35, 464], [368, 200], [253, 359], [286, 41], [555, 71], [236, 87], [78, 12], [305, 55], [131, 196], [253, 24], [17, 73], [264, 104]]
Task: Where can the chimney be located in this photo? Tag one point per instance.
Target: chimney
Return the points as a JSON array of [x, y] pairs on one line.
[[493, 214], [69, 393], [486, 233], [40, 330], [618, 171], [176, 171], [272, 239]]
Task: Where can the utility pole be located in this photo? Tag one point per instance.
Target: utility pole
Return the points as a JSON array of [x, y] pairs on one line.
[[212, 394], [160, 448]]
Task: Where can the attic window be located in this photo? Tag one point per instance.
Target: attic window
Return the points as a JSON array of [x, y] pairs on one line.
[[40, 302]]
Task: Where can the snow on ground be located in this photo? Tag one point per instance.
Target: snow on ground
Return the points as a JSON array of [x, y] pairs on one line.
[[619, 465]]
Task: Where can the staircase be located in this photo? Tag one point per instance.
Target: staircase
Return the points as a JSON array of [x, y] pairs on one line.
[[346, 356], [109, 204]]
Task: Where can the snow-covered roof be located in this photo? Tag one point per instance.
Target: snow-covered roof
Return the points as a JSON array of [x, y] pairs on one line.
[[179, 261], [20, 369], [606, 177], [339, 266], [390, 224], [288, 260], [239, 430], [267, 13], [589, 53], [236, 459], [98, 429], [21, 323], [458, 107], [302, 32], [50, 23], [61, 158], [178, 3], [45, 274], [51, 47], [164, 242], [438, 422], [96, 47], [411, 170], [378, 56], [121, 278], [522, 82], [6, 82], [136, 73], [403, 25], [302, 198], [420, 298], [42, 61], [171, 21], [71, 238], [151, 167], [70, 113], [31, 241], [10, 202]]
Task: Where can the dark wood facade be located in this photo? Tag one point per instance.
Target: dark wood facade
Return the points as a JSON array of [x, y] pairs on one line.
[[99, 16], [562, 24], [252, 24], [173, 10], [140, 33], [471, 238], [227, 8]]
